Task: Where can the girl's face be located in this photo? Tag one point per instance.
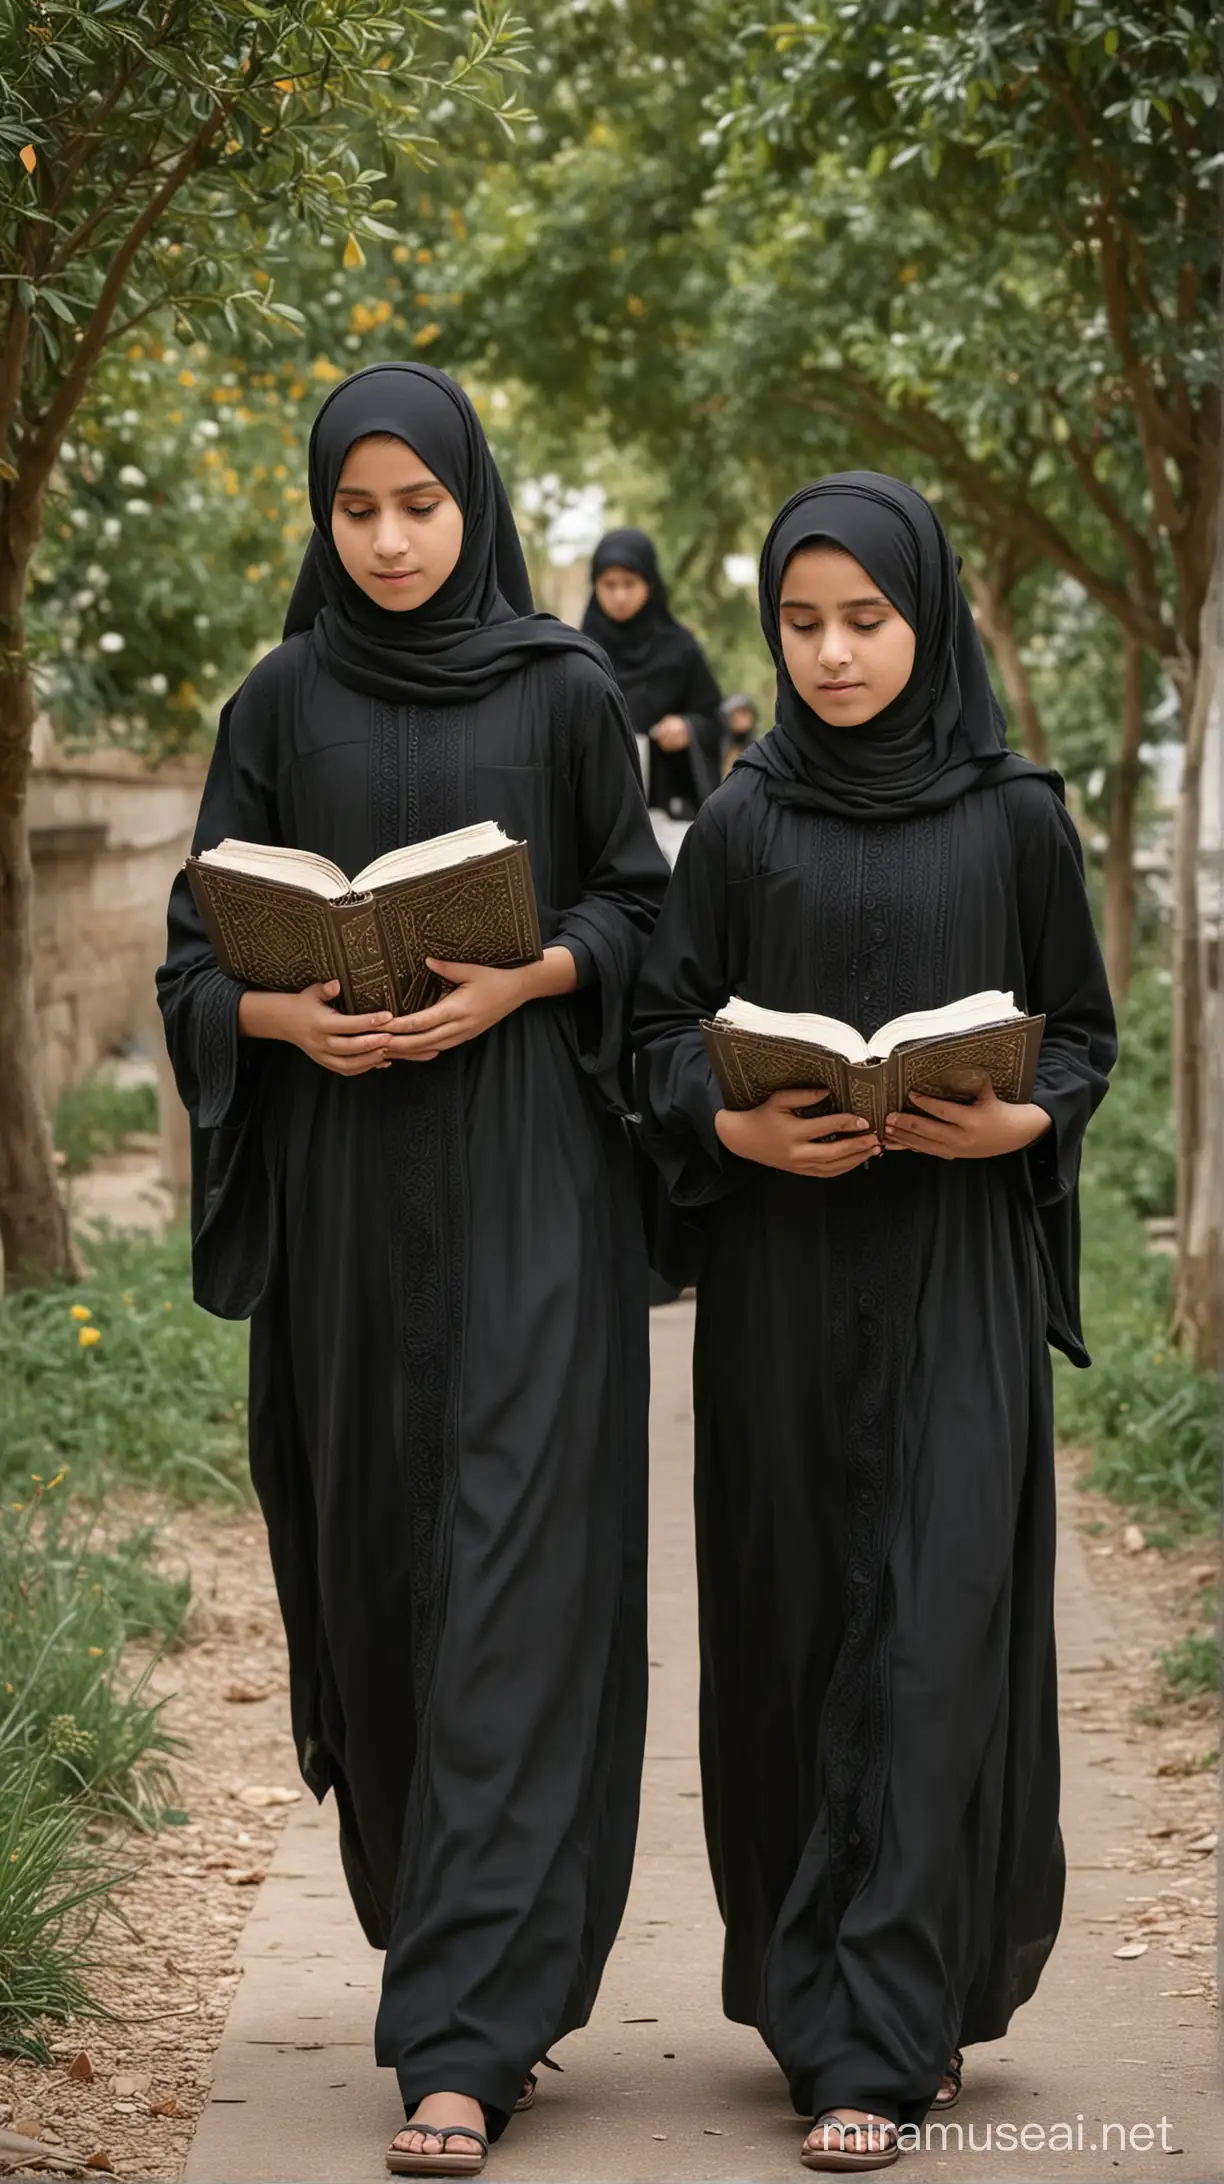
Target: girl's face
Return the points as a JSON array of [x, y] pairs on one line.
[[396, 528], [742, 722], [621, 593], [847, 650]]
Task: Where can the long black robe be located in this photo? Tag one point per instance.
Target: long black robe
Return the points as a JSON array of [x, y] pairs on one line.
[[446, 1275], [678, 782], [874, 1467]]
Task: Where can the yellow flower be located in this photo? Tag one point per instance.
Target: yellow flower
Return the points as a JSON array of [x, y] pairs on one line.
[[354, 255], [426, 335], [81, 1311], [458, 223], [254, 572], [635, 307], [186, 379], [95, 1653], [424, 257], [296, 391], [401, 254], [135, 352], [167, 1308], [324, 369], [17, 1506], [229, 479], [283, 84], [88, 1336], [280, 471], [176, 416]]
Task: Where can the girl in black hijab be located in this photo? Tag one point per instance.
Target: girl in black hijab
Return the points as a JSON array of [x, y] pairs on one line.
[[432, 1225], [671, 695], [875, 1485]]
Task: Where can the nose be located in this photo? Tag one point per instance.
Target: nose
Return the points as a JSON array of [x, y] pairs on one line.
[[835, 647]]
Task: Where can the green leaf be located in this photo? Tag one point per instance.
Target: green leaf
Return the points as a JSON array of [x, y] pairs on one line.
[[59, 304], [1112, 39]]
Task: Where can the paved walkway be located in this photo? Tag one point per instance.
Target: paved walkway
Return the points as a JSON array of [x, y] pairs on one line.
[[659, 2085]]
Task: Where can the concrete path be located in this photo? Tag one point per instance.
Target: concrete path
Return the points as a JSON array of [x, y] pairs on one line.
[[659, 2085]]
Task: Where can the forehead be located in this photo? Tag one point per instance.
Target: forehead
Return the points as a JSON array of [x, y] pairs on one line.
[[381, 463], [826, 574], [619, 569]]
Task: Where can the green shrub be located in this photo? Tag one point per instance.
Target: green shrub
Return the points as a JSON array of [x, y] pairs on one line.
[[67, 1704], [1192, 1665], [55, 1874], [1131, 1146], [1150, 1420], [144, 1388], [96, 1116]]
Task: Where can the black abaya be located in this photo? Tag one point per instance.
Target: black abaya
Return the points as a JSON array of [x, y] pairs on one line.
[[875, 1491], [660, 668], [447, 1281]]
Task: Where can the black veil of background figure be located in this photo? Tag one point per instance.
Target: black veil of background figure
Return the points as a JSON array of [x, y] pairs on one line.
[[661, 669]]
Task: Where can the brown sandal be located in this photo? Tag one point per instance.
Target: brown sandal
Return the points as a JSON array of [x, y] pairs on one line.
[[943, 2102], [401, 2163], [837, 2157]]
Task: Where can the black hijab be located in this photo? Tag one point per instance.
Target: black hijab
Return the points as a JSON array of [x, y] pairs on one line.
[[646, 650], [945, 733], [479, 628]]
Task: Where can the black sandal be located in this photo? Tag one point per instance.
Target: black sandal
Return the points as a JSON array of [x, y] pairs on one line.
[[526, 2098], [943, 2102], [836, 2157], [401, 2163]]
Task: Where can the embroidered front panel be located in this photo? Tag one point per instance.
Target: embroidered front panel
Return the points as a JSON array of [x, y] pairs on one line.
[[878, 899]]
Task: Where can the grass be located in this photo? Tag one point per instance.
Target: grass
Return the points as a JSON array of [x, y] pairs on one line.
[[1151, 1422], [1192, 1665], [123, 1378], [67, 1611], [98, 1115], [82, 1746]]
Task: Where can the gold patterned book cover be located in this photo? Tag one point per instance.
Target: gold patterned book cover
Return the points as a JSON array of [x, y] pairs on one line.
[[283, 919], [947, 1053]]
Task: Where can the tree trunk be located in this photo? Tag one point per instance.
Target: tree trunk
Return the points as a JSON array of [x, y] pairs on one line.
[[1198, 1072], [35, 1241], [991, 601], [1120, 850]]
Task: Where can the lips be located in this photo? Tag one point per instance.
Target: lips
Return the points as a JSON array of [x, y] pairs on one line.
[[839, 689]]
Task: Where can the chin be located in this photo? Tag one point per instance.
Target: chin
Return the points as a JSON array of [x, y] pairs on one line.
[[845, 716]]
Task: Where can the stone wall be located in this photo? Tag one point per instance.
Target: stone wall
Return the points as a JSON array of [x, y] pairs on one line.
[[107, 838]]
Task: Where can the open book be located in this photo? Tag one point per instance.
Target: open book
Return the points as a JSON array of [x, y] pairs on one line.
[[948, 1053], [283, 919]]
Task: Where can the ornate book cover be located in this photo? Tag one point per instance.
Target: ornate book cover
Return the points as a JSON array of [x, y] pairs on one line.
[[282, 938], [751, 1066]]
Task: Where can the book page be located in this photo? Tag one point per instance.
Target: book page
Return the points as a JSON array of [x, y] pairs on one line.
[[973, 1013], [436, 855], [272, 861], [818, 1031]]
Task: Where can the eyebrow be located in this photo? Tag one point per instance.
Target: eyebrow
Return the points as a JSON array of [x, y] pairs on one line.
[[401, 492], [873, 599]]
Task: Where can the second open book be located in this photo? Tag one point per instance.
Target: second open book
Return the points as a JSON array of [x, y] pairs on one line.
[[947, 1053]]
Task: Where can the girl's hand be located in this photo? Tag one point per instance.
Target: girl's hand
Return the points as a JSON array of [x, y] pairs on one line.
[[988, 1127], [349, 1045], [671, 733], [480, 999], [776, 1136]]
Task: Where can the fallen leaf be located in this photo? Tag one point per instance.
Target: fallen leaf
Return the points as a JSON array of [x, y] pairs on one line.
[[1132, 1949], [261, 1795], [168, 2107], [101, 2160], [82, 2069], [1133, 1540], [28, 157], [21, 2153], [241, 1694], [27, 2126]]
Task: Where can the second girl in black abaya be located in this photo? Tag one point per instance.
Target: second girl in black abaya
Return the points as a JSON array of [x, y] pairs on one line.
[[874, 1478], [432, 1224]]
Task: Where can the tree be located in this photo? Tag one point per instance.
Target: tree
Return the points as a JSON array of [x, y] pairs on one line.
[[155, 156], [974, 242]]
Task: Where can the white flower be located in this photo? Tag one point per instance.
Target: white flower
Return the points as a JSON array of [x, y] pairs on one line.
[[67, 452], [96, 574], [207, 429], [83, 599], [195, 501], [158, 685], [139, 507], [79, 517], [112, 527], [208, 670], [201, 621], [129, 475], [129, 417], [111, 641]]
